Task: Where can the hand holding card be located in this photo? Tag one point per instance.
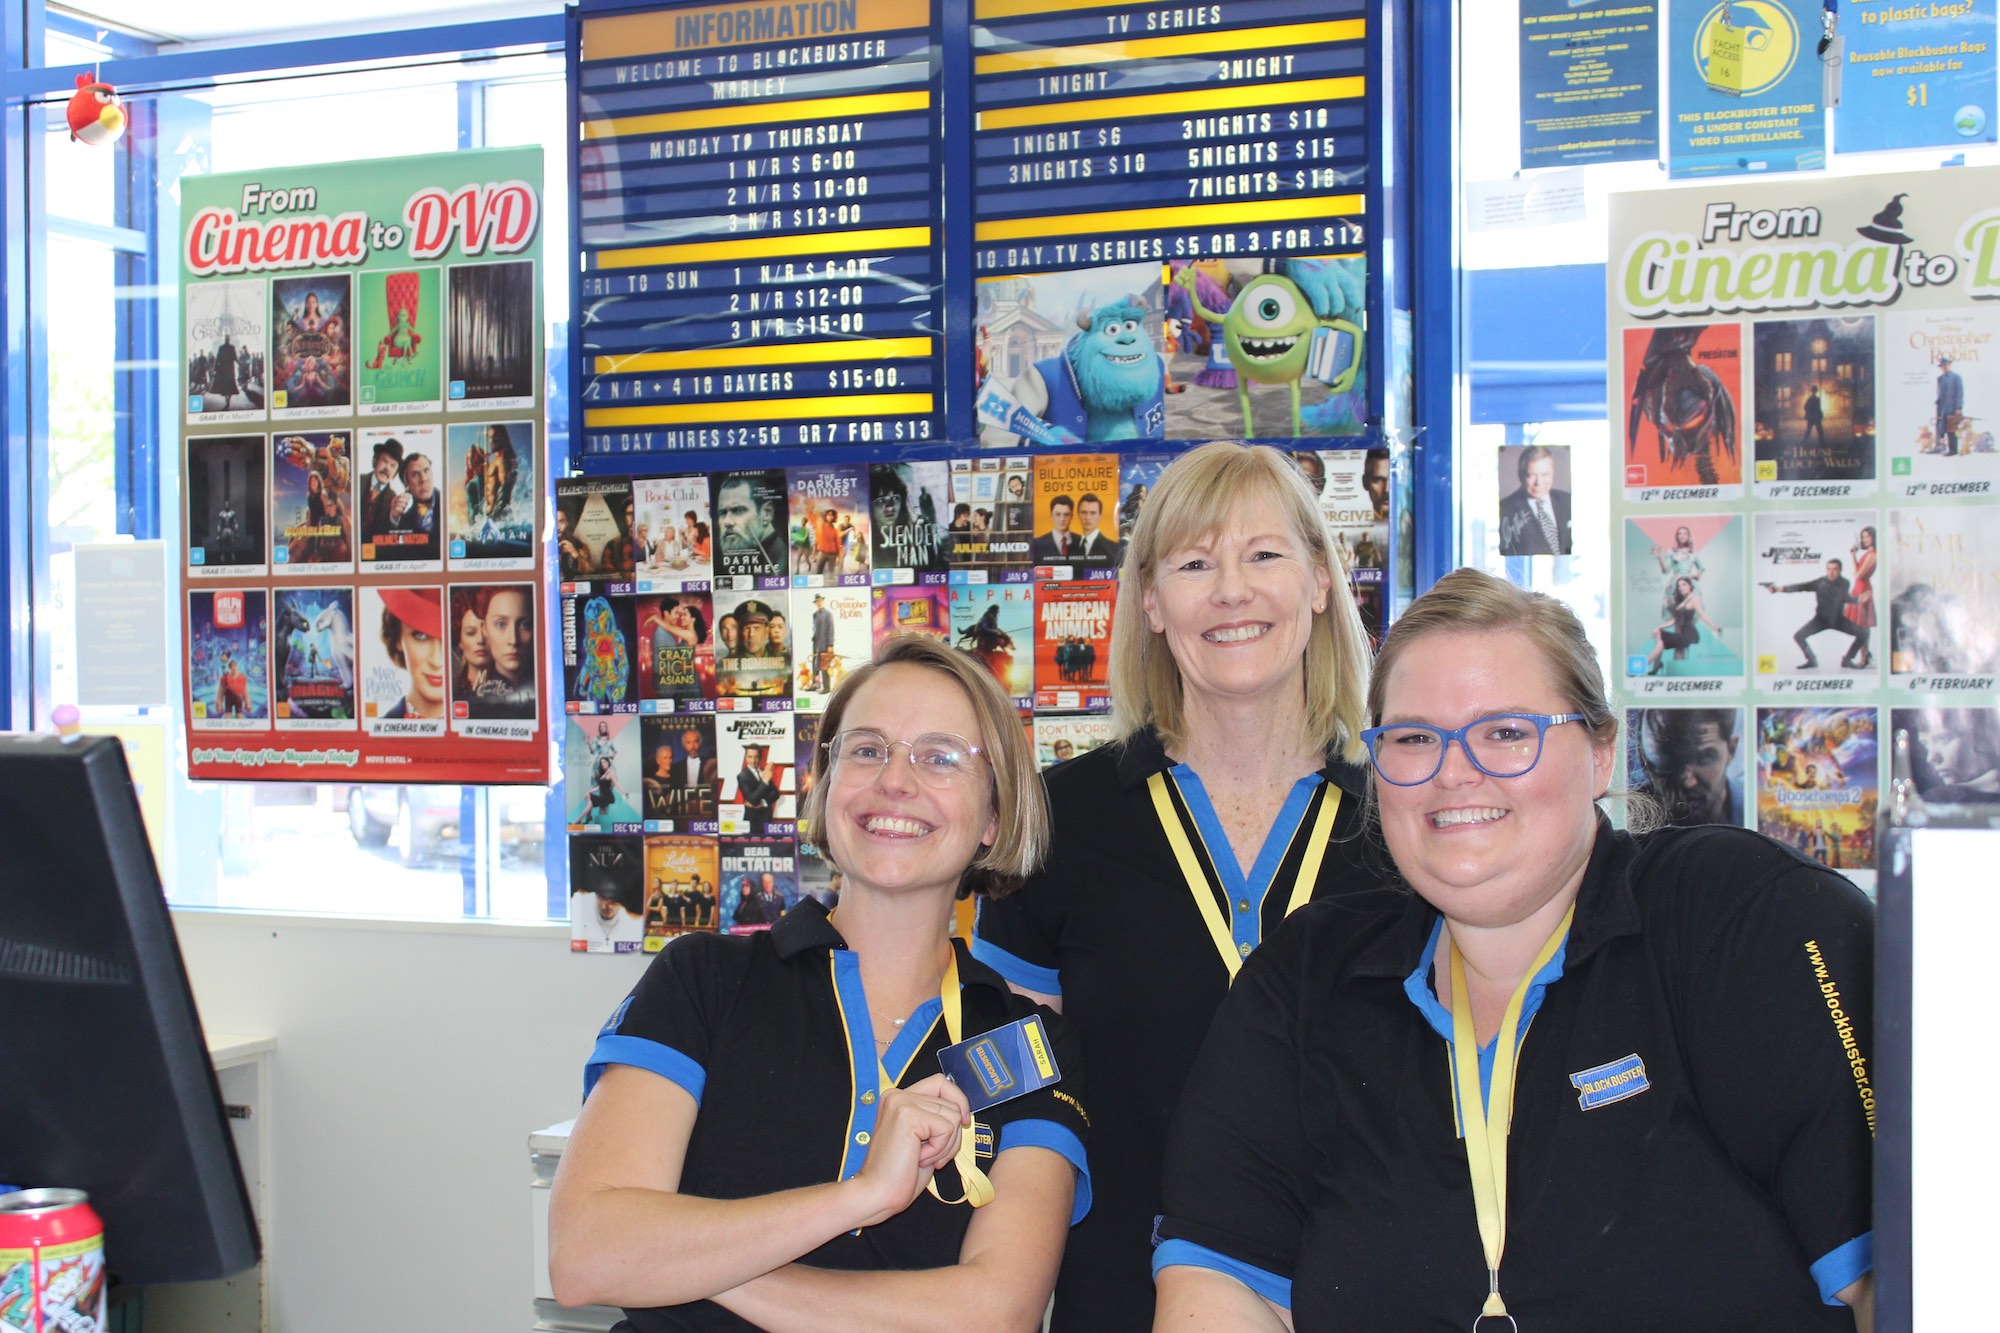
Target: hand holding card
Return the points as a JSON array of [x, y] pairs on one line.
[[916, 1131]]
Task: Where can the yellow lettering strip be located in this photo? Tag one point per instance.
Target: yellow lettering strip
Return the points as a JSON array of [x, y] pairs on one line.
[[1014, 9], [659, 32], [680, 414], [734, 115], [1287, 38], [788, 354], [1164, 219], [766, 247], [1183, 101]]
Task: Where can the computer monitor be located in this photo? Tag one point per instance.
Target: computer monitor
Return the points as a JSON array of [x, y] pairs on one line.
[[105, 1080]]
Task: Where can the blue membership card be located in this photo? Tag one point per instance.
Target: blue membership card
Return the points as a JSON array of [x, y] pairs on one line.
[[1003, 1064]]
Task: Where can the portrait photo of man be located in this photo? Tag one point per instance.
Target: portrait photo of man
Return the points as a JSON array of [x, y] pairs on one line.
[[1534, 518]]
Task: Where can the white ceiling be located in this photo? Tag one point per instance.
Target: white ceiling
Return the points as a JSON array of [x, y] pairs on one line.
[[209, 21]]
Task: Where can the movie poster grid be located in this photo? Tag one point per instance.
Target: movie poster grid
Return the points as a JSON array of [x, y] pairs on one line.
[[312, 366], [400, 317], [992, 519], [906, 505], [1944, 601], [829, 525], [1683, 409], [1075, 526], [600, 767], [681, 783], [1940, 401], [312, 504], [759, 795], [1816, 784], [312, 645], [1954, 753], [674, 652], [491, 495], [229, 679], [835, 634], [600, 662], [494, 348], [681, 882], [1691, 761], [672, 539], [606, 894], [227, 352], [749, 505], [224, 485], [996, 624], [1814, 422], [759, 883], [1685, 618], [1064, 736], [1813, 577], [401, 516]]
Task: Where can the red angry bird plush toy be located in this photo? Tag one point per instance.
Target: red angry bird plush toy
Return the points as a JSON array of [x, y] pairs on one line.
[[94, 113]]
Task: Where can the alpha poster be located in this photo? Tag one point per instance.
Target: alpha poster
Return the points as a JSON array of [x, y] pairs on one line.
[[342, 534]]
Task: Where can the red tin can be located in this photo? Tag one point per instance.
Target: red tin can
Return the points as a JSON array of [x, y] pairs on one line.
[[51, 1263]]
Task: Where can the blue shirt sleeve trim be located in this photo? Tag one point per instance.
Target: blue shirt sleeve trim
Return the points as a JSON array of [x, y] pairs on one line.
[[665, 1061], [1841, 1266], [1022, 973], [1057, 1139], [1275, 1289]]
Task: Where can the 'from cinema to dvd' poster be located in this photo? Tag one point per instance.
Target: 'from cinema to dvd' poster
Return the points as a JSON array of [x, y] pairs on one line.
[[363, 427]]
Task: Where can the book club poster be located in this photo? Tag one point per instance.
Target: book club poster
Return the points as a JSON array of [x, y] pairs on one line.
[[362, 461], [1805, 386]]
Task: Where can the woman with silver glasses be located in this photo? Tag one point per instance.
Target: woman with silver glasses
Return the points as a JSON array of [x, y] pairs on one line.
[[1578, 1078], [767, 1141]]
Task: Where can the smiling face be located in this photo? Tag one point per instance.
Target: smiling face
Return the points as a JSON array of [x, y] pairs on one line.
[[888, 832], [1539, 479], [424, 656], [1491, 852], [1269, 329], [1236, 606]]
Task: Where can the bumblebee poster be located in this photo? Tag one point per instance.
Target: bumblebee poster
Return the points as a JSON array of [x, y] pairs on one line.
[[494, 694], [226, 351], [1076, 522], [1817, 782], [759, 883], [601, 774], [493, 336], [680, 778], [606, 894], [1073, 644], [681, 874], [399, 341], [312, 647], [600, 654], [1682, 408], [594, 518], [910, 610], [1813, 578], [490, 486], [1685, 618], [312, 371], [1815, 396], [749, 539], [1941, 401], [907, 505], [403, 661], [674, 651], [754, 757], [829, 525], [996, 624], [1059, 737], [1954, 753], [225, 506], [671, 537], [228, 650], [753, 650], [833, 632], [1944, 600], [312, 503], [401, 510]]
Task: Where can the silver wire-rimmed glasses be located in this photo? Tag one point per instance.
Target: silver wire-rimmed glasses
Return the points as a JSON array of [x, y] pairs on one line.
[[1504, 745], [940, 758]]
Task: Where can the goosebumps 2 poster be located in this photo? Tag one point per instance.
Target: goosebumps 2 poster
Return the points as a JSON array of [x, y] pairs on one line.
[[363, 428]]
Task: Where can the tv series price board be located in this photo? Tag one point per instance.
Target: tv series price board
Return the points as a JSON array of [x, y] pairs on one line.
[[759, 226]]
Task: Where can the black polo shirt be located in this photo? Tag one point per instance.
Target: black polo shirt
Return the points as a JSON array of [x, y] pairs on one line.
[[1112, 926], [770, 1033], [1693, 1120]]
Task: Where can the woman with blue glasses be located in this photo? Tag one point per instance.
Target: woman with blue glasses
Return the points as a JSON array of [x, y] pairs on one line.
[[1578, 1079]]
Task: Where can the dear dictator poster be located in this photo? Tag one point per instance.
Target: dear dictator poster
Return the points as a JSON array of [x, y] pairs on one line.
[[342, 322]]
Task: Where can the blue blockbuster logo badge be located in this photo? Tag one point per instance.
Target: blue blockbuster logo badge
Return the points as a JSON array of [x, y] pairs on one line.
[[1610, 1083]]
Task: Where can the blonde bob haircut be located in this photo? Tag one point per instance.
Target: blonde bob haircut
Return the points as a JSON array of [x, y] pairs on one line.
[[1196, 496], [1022, 840]]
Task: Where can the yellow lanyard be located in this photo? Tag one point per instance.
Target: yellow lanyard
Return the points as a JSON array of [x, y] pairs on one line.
[[978, 1189], [1204, 898], [1486, 1131]]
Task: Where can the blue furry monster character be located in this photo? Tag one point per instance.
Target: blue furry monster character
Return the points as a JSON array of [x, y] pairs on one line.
[[603, 669], [1107, 383]]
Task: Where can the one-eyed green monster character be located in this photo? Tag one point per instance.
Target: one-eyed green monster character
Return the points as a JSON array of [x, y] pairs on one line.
[[1270, 326]]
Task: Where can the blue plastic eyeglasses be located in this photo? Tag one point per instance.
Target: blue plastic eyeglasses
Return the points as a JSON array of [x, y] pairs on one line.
[[1505, 745]]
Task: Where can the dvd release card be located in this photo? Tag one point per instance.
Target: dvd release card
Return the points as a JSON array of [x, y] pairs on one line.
[[681, 786], [753, 652], [594, 519], [1940, 401], [675, 650], [1814, 601], [671, 536], [992, 520], [1692, 761], [759, 794], [397, 329], [1815, 401], [490, 492], [312, 368], [912, 610], [312, 501], [1059, 737], [805, 744], [494, 338], [1816, 784], [1685, 618], [601, 774], [835, 635], [229, 681], [1073, 644], [759, 883], [600, 662], [1138, 474], [404, 661], [1684, 413], [1075, 525], [828, 501], [606, 890], [996, 624], [225, 506], [493, 655], [1944, 615], [401, 517], [818, 878], [226, 351], [312, 640], [907, 504], [749, 507], [681, 873], [1954, 753], [1353, 490]]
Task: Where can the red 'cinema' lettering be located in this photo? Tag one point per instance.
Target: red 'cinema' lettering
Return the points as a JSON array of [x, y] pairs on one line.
[[218, 242], [502, 216]]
